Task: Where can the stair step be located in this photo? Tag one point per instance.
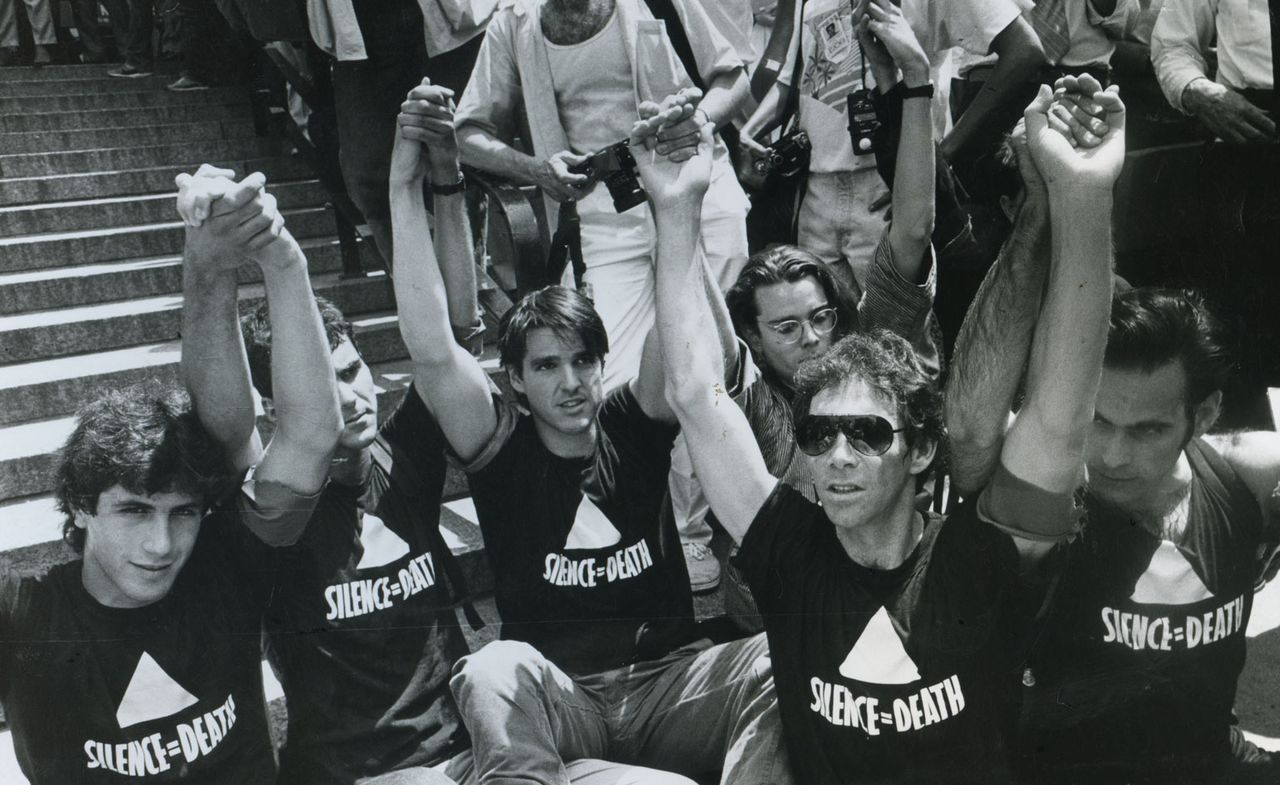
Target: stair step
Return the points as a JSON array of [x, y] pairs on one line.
[[93, 100], [85, 83], [64, 287], [56, 386], [75, 71], [69, 331], [91, 246], [108, 158], [91, 138], [123, 118], [113, 211], [143, 180], [28, 451]]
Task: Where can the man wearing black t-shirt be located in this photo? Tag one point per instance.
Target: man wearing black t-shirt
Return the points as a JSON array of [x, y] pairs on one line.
[[141, 660], [893, 633], [361, 628], [599, 657], [1133, 677]]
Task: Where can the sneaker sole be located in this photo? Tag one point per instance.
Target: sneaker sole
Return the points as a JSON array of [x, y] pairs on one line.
[[138, 75], [186, 89], [704, 588]]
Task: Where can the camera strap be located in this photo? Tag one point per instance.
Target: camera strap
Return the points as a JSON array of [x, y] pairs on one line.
[[566, 246]]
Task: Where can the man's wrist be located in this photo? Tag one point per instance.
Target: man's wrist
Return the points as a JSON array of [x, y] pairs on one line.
[[281, 256], [1197, 91], [915, 74]]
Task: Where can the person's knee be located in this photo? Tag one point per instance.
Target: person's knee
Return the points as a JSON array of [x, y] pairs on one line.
[[414, 776], [501, 668], [591, 771]]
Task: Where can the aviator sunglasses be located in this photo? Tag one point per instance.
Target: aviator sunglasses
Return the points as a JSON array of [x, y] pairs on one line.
[[869, 434]]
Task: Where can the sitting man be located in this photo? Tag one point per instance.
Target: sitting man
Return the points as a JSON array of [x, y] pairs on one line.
[[1139, 658], [788, 308], [893, 633], [600, 656], [576, 71], [141, 660], [365, 674]]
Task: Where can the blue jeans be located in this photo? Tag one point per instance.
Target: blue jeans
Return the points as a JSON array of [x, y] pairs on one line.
[[699, 709]]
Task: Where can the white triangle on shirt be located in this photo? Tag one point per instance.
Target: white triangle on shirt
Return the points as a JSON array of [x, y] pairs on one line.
[[1169, 580], [879, 657], [381, 545], [591, 529], [151, 694]]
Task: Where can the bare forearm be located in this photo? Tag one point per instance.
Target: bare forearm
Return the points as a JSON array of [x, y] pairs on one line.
[[1020, 58], [1067, 350], [490, 154], [215, 368], [456, 255], [693, 358], [913, 185], [724, 95], [766, 117], [302, 379], [992, 349], [420, 289]]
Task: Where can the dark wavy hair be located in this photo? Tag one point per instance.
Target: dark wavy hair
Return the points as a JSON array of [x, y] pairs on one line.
[[786, 264], [255, 328], [1151, 327], [146, 439], [887, 363], [558, 308]]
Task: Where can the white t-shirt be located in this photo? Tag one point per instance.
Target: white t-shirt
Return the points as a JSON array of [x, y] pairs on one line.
[[831, 68], [594, 89]]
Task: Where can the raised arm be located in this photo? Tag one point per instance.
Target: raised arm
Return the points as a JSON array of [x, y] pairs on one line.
[[244, 225], [725, 455], [449, 378], [885, 34], [1045, 445], [215, 368], [995, 338], [1019, 57]]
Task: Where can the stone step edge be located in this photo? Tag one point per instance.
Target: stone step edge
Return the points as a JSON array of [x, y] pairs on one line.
[[101, 201], [78, 234]]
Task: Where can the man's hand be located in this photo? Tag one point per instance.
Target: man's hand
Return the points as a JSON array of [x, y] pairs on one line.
[[1065, 166], [1227, 114], [885, 22], [675, 181], [1075, 114], [243, 224], [680, 126], [426, 119], [882, 65], [555, 179], [198, 192]]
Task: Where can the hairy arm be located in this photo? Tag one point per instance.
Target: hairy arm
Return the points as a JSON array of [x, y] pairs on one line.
[[995, 340]]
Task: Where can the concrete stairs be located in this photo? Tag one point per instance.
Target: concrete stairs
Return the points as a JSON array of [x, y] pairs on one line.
[[90, 264]]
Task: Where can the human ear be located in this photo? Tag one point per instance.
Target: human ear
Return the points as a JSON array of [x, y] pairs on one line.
[[1205, 413]]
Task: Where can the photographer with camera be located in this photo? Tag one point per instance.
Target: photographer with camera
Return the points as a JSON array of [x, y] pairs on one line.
[[577, 70], [841, 215]]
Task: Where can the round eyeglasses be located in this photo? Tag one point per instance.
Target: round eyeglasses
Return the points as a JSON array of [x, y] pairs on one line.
[[823, 321]]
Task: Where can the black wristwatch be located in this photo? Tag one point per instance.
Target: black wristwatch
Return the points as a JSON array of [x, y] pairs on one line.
[[923, 91], [448, 189]]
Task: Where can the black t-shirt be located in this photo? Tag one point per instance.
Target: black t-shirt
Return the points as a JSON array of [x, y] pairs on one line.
[[359, 625], [171, 692], [898, 675], [582, 558], [1139, 660]]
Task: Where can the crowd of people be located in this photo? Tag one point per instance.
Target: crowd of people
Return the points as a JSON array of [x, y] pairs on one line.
[[997, 541]]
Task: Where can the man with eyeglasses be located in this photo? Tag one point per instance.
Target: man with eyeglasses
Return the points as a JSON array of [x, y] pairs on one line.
[[893, 634]]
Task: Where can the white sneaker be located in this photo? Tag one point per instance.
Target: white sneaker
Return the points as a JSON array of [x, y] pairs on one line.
[[704, 569]]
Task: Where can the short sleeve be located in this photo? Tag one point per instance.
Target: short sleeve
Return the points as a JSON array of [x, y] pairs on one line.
[[714, 53], [271, 511], [973, 25], [778, 539], [492, 98], [893, 303], [508, 417], [1021, 509], [413, 428]]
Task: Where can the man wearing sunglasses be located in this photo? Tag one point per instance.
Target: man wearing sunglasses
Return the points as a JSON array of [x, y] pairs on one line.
[[892, 633]]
